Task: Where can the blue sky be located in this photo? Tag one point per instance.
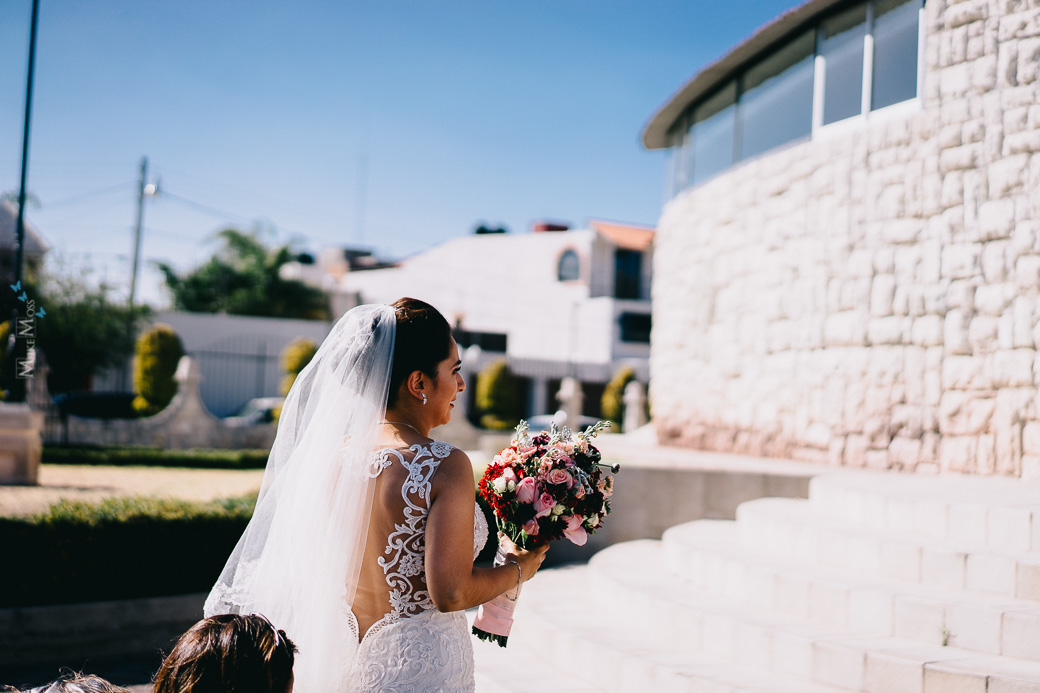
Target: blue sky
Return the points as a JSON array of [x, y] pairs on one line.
[[394, 124]]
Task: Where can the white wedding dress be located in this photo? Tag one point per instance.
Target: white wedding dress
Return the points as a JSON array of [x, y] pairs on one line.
[[413, 647]]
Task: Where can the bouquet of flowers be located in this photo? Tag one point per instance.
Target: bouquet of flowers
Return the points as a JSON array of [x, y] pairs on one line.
[[543, 487]]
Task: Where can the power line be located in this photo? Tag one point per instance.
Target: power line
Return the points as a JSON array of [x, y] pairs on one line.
[[87, 195]]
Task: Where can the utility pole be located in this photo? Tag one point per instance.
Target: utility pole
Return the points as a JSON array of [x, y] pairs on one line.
[[21, 352], [141, 185], [144, 189]]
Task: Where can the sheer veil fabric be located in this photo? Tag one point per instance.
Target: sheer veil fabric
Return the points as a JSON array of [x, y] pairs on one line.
[[299, 558]]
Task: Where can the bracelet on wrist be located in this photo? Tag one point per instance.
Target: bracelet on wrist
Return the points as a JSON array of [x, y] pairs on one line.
[[519, 577]]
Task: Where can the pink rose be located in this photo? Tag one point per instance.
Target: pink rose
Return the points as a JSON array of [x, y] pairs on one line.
[[544, 505], [526, 490], [560, 476], [507, 457], [574, 531], [508, 474], [531, 527]]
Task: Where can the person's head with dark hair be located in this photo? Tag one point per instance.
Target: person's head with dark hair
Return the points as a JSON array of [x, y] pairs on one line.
[[422, 342], [74, 682], [229, 653]]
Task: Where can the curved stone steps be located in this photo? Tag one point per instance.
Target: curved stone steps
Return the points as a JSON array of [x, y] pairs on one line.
[[710, 555], [824, 655], [798, 530], [569, 620], [1001, 513]]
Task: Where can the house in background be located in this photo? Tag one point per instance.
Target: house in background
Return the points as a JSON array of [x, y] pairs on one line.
[[35, 246], [556, 302]]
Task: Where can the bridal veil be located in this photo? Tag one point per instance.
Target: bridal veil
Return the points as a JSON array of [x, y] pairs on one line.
[[299, 558]]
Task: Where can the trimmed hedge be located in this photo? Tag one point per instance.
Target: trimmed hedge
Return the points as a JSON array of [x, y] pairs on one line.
[[118, 549], [612, 404], [498, 397], [159, 350], [154, 457], [295, 357]]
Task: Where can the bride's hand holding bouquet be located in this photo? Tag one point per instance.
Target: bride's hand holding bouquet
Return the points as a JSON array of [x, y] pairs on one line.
[[541, 488]]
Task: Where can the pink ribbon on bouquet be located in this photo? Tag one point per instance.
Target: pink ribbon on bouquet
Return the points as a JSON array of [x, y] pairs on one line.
[[495, 618]]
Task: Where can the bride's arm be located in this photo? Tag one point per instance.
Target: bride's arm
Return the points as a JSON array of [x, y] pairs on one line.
[[454, 582]]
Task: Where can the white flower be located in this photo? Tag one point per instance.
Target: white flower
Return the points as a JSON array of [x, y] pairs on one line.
[[510, 485], [499, 485], [559, 509]]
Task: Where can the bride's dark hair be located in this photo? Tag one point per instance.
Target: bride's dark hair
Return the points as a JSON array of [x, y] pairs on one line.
[[422, 340]]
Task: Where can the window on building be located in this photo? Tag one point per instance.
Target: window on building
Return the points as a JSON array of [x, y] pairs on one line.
[[776, 103], [841, 45], [771, 102], [628, 273], [895, 52], [635, 327], [714, 124], [569, 267]]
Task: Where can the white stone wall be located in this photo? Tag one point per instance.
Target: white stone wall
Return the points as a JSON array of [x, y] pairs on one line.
[[871, 298]]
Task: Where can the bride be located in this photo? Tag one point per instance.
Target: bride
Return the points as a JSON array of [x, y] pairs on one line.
[[362, 542]]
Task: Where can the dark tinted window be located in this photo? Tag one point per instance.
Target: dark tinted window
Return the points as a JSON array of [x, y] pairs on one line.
[[628, 273], [635, 327]]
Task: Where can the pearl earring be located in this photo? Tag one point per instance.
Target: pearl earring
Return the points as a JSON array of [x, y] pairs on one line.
[[424, 398]]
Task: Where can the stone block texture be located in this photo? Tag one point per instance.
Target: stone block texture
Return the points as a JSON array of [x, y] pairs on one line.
[[871, 298]]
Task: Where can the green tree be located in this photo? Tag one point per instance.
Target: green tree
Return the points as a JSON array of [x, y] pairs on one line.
[[612, 404], [243, 278], [498, 398], [82, 332], [159, 350]]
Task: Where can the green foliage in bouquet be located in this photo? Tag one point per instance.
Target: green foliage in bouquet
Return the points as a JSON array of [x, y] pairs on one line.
[[159, 350], [612, 404], [498, 397]]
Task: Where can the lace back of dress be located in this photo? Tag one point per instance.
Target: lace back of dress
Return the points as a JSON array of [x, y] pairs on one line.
[[393, 580]]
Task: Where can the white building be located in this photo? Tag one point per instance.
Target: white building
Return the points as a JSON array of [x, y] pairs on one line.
[[852, 248], [555, 302]]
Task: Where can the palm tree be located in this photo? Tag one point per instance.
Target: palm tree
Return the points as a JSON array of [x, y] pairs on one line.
[[243, 278]]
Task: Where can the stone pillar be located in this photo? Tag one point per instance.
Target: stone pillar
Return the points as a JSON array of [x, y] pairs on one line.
[[21, 443], [570, 398], [191, 424], [634, 398]]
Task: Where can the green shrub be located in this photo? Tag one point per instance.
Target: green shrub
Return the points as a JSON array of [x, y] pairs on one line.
[[159, 350], [498, 399], [154, 457], [612, 405], [118, 549], [295, 357]]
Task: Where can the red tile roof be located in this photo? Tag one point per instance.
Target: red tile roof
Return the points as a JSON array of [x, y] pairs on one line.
[[628, 236]]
